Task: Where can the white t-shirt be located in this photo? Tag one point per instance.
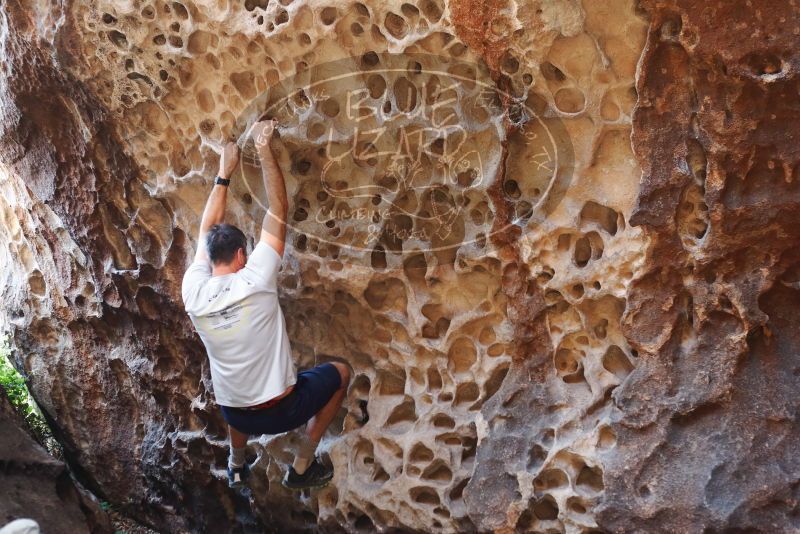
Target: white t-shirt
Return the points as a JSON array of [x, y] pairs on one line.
[[241, 324]]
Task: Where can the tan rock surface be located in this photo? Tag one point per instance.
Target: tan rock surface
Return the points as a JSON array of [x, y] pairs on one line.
[[503, 215]]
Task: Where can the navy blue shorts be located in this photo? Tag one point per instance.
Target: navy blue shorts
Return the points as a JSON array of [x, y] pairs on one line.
[[313, 390]]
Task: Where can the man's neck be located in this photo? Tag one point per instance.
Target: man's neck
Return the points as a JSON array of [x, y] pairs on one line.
[[222, 270]]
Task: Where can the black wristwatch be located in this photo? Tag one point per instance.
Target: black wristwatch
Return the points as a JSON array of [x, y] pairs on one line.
[[222, 181]]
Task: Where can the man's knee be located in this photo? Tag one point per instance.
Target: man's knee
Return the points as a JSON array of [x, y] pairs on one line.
[[344, 373]]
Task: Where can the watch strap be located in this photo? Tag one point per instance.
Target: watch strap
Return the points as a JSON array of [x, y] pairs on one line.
[[222, 181]]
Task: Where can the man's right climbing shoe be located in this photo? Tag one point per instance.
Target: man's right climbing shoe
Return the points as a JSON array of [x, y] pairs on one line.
[[237, 477], [316, 475]]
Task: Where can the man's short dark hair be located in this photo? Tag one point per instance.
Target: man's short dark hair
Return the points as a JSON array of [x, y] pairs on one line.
[[222, 242]]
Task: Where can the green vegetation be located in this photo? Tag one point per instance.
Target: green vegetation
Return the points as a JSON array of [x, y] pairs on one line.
[[17, 391]]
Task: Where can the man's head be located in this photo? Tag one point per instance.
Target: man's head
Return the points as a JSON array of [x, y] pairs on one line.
[[227, 246]]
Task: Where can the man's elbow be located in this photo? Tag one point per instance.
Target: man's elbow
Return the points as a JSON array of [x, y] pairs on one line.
[[280, 209]]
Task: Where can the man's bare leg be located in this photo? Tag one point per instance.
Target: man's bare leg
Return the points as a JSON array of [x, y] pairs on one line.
[[236, 459], [319, 423], [238, 439]]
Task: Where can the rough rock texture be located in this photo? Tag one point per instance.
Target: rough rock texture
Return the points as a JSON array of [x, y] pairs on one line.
[[606, 346], [34, 485], [715, 314]]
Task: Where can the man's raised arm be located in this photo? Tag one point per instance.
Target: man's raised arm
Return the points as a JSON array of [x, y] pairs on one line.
[[214, 212], [273, 230]]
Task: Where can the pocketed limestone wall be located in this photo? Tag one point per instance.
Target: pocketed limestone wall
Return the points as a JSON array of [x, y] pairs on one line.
[[554, 241]]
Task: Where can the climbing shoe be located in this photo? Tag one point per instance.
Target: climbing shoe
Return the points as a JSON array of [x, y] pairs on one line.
[[237, 477], [315, 476]]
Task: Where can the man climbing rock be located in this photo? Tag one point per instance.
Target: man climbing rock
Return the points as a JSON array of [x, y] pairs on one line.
[[232, 301]]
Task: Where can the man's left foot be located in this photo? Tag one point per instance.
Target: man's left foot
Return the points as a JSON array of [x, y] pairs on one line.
[[237, 476]]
